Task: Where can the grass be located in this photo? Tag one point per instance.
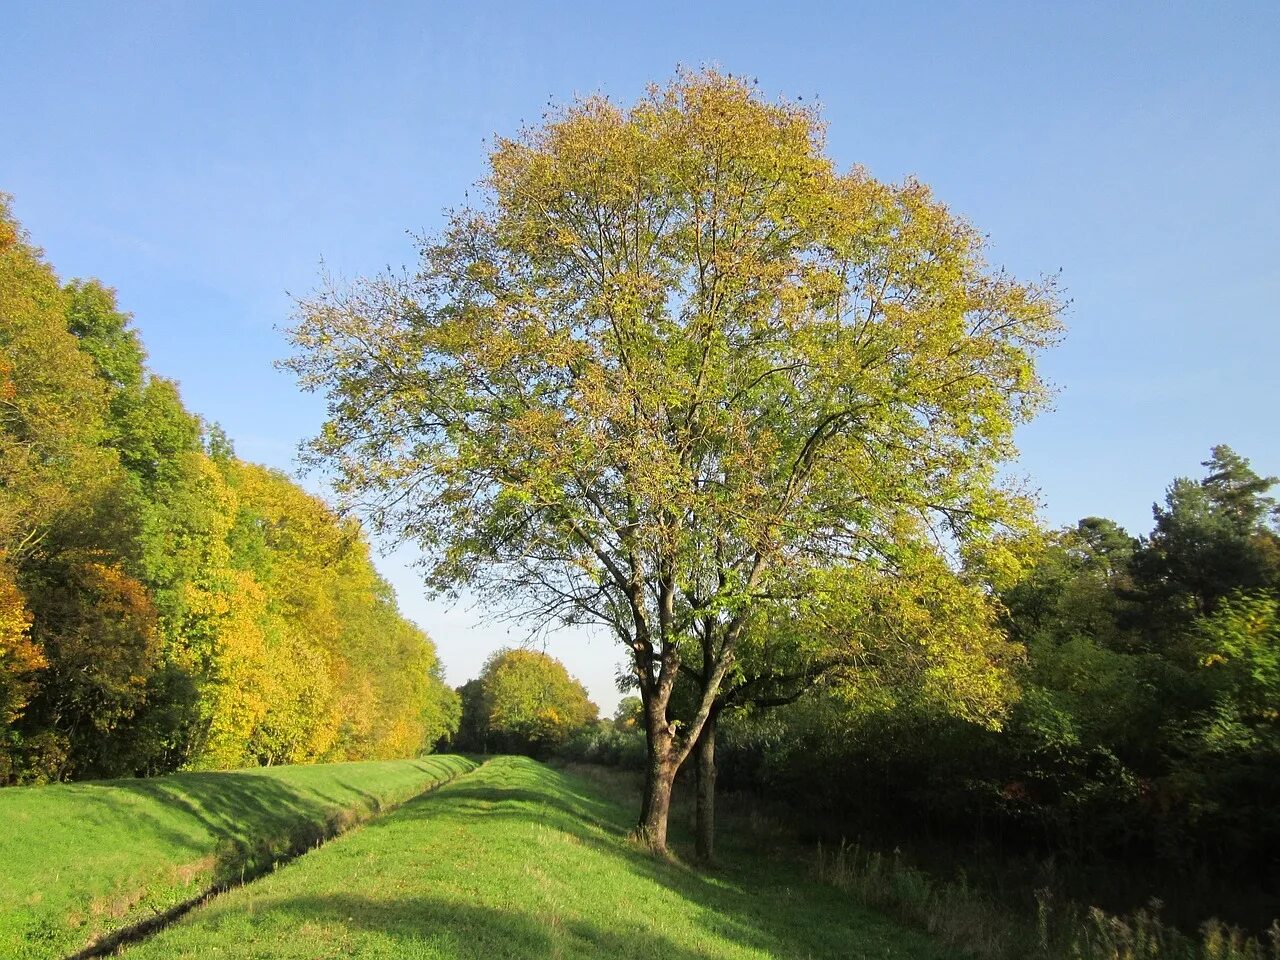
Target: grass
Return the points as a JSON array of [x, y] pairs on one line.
[[83, 860], [519, 860], [959, 914]]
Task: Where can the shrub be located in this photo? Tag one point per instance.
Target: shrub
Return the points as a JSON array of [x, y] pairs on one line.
[[962, 917], [606, 744]]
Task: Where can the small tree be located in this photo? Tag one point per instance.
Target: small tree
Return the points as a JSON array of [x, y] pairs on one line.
[[629, 714], [526, 702], [675, 364]]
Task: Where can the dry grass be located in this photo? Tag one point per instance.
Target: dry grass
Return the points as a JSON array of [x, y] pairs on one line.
[[965, 919]]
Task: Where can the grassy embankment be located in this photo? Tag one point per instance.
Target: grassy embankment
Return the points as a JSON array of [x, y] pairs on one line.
[[521, 860], [79, 861]]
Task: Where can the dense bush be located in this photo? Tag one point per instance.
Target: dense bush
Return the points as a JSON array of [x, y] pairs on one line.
[[607, 743]]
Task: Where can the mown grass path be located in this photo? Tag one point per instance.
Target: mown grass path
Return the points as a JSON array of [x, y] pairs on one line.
[[520, 860], [80, 861]]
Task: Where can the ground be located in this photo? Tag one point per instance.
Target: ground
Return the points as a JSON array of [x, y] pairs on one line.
[[81, 860], [521, 860]]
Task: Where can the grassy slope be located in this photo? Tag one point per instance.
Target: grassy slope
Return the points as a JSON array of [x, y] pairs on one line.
[[520, 860], [79, 860]]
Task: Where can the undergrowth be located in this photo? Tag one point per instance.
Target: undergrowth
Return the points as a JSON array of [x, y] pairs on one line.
[[965, 918]]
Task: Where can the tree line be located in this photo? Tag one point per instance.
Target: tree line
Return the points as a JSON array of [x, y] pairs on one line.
[[1142, 727], [163, 603]]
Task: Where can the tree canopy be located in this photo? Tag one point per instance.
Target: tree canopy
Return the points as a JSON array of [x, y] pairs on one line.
[[524, 701], [672, 370]]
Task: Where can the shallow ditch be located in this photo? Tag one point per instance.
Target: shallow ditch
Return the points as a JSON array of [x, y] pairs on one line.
[[241, 864]]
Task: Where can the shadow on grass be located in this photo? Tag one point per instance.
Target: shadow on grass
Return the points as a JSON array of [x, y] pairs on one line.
[[254, 819], [413, 925], [757, 902], [215, 829]]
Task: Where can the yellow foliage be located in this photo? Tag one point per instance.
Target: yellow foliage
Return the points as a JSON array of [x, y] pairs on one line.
[[675, 365], [19, 656], [238, 699], [162, 572]]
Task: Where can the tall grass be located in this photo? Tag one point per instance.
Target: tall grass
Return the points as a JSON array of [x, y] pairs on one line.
[[964, 918]]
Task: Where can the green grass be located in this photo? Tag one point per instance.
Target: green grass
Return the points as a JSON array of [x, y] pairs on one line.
[[78, 861], [521, 860]]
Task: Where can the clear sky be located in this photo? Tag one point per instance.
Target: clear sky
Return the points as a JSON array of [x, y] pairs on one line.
[[203, 158]]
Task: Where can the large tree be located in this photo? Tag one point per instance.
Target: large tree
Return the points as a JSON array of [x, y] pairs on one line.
[[673, 365]]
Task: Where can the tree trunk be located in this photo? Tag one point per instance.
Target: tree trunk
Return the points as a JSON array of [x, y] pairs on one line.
[[661, 765], [705, 829], [648, 770], [659, 778]]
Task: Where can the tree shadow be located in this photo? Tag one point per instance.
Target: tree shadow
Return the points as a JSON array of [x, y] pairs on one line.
[[142, 846], [418, 926], [760, 902], [248, 815]]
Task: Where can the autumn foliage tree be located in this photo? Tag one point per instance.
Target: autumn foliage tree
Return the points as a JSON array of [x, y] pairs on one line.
[[673, 368], [524, 701], [20, 660], [162, 603]]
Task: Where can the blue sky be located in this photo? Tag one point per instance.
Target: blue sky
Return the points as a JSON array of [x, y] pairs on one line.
[[204, 158]]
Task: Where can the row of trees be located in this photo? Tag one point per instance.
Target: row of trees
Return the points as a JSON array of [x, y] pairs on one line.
[[1144, 720], [164, 604], [523, 701]]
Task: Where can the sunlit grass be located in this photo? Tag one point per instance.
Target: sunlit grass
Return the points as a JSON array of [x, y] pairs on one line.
[[520, 860], [81, 860]]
